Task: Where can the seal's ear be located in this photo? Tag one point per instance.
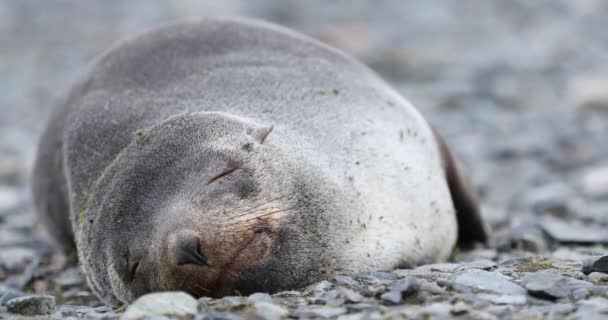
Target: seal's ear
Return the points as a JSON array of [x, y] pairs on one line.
[[470, 226], [260, 133]]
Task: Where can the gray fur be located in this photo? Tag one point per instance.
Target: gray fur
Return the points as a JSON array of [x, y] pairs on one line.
[[129, 152]]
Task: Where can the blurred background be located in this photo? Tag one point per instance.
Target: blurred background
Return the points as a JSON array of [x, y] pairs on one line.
[[519, 89]]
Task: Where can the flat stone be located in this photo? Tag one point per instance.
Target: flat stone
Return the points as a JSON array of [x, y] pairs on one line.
[[320, 311], [594, 181], [7, 294], [546, 284], [479, 264], [594, 308], [161, 303], [480, 280], [401, 289], [15, 260], [345, 281], [9, 200], [503, 299], [270, 311], [349, 295], [259, 297], [318, 288], [573, 232], [31, 305], [217, 315], [595, 264]]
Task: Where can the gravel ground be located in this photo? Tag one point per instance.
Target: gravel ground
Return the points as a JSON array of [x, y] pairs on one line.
[[519, 88]]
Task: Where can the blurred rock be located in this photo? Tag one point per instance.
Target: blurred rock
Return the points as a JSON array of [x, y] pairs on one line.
[[595, 264], [589, 91], [474, 279], [573, 231], [594, 181], [270, 311], [31, 305], [161, 303]]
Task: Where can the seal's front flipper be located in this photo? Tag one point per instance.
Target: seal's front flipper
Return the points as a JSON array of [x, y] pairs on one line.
[[470, 226]]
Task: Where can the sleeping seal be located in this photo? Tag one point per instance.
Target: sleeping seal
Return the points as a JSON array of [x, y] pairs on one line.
[[231, 155]]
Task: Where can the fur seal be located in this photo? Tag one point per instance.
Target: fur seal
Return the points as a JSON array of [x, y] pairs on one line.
[[231, 155]]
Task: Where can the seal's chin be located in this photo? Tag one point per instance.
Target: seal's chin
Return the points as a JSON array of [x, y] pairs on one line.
[[252, 252]]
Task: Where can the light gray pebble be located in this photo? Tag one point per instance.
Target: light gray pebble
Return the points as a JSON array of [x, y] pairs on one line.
[[259, 297], [345, 281], [475, 279], [270, 311], [32, 305], [319, 311], [549, 284], [15, 260], [595, 264], [9, 200], [7, 294], [161, 303], [216, 315], [349, 295], [318, 288]]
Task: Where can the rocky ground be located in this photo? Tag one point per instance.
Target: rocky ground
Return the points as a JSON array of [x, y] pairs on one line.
[[519, 88]]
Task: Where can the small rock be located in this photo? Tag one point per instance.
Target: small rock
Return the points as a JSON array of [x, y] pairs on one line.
[[546, 284], [479, 264], [598, 276], [15, 260], [31, 305], [318, 288], [161, 303], [594, 308], [7, 294], [345, 281], [594, 181], [375, 276], [259, 297], [69, 278], [269, 311], [573, 232], [216, 315], [503, 299], [401, 289], [9, 200], [595, 264], [320, 311], [349, 295], [474, 279]]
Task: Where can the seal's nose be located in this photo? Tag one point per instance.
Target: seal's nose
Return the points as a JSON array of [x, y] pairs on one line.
[[187, 250]]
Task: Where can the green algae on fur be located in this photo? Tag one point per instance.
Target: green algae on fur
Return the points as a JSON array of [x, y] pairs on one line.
[[141, 137], [82, 213]]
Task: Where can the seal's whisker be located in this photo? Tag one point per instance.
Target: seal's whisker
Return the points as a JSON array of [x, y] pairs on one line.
[[240, 214], [259, 216]]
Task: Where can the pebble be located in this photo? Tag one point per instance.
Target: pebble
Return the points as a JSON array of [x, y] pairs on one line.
[[595, 264], [573, 232], [401, 289], [31, 305], [546, 284], [9, 200], [15, 260], [474, 279], [161, 303], [217, 315], [594, 181], [259, 297], [270, 311]]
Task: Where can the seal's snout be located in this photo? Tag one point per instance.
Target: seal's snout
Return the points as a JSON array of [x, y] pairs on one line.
[[186, 249]]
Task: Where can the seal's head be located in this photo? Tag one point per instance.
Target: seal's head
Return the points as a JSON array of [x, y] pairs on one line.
[[202, 203]]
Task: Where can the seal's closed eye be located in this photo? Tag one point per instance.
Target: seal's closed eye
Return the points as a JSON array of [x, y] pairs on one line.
[[224, 173]]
